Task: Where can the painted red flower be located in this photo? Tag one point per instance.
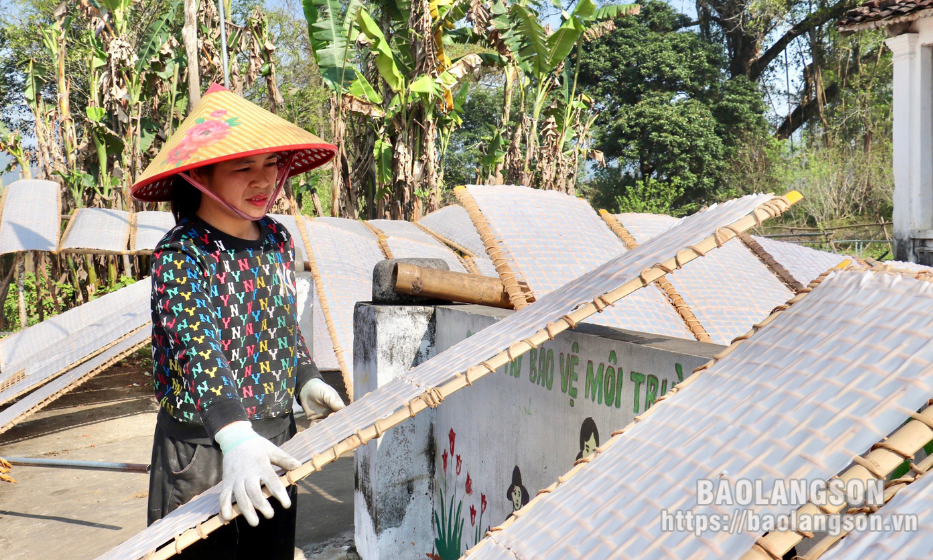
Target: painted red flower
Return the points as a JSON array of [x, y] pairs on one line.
[[482, 500], [469, 485], [444, 457], [472, 515], [206, 133], [218, 113], [459, 465], [452, 437], [180, 153]]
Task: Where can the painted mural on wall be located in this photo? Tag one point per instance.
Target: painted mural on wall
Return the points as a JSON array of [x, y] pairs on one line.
[[589, 438], [527, 424], [449, 514]]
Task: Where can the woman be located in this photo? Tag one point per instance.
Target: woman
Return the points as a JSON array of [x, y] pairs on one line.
[[228, 355]]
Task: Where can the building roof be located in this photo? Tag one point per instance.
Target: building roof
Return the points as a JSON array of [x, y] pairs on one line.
[[882, 13]]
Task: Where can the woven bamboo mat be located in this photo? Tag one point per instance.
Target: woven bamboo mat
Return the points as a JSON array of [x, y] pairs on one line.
[[429, 383], [816, 386], [150, 227], [58, 341], [41, 397], [453, 224], [551, 238], [645, 226], [345, 252], [322, 349], [407, 241], [889, 544], [96, 230], [803, 263], [728, 292], [30, 216]]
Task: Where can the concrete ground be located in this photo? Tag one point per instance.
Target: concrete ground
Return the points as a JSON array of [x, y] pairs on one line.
[[80, 514]]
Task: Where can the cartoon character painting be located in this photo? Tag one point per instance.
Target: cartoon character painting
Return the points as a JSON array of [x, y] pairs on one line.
[[517, 493], [589, 438]]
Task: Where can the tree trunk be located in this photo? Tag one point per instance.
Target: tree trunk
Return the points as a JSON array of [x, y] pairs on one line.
[[430, 168], [21, 288], [36, 264], [338, 127], [497, 178], [189, 35], [53, 289]]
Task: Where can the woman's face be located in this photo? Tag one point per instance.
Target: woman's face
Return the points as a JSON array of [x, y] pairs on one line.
[[516, 498], [245, 183]]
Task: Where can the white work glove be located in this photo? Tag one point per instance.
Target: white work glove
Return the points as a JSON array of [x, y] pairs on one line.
[[318, 399], [248, 463]]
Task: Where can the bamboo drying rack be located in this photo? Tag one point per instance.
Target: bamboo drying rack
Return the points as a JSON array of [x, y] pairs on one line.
[[486, 234], [435, 395], [693, 324]]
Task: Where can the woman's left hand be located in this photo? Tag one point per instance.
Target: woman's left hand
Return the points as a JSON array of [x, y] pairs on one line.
[[318, 399]]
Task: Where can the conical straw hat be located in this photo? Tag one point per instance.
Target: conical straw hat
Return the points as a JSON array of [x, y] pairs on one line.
[[225, 126]]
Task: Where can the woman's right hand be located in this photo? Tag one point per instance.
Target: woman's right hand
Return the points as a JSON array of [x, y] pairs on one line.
[[248, 463]]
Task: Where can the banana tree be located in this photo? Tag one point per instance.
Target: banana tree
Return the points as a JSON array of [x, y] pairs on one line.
[[516, 30], [420, 82], [389, 67], [332, 31], [11, 142]]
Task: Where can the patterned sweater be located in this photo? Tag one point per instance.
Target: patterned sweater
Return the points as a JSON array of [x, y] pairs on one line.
[[225, 339]]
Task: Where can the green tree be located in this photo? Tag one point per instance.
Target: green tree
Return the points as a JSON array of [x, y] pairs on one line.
[[669, 113]]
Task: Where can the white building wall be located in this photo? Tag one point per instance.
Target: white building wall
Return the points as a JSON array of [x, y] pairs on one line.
[[913, 140]]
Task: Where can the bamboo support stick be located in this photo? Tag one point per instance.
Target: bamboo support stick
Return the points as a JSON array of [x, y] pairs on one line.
[[615, 436], [381, 239], [764, 256], [891, 490], [463, 254], [433, 396], [492, 248], [673, 296], [878, 463], [322, 301], [78, 382]]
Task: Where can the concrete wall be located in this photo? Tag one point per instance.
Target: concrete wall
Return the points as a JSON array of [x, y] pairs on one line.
[[394, 473], [525, 425], [492, 446]]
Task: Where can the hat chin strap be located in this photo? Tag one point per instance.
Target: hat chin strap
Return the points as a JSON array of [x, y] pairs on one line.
[[280, 178]]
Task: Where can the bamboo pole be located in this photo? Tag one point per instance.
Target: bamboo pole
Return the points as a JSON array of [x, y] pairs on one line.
[[777, 268], [322, 301], [433, 396], [878, 463], [492, 248], [381, 239], [891, 490], [615, 436], [673, 296], [450, 286]]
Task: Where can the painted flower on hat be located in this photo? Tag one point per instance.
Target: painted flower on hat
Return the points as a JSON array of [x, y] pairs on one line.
[[207, 132], [179, 154]]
